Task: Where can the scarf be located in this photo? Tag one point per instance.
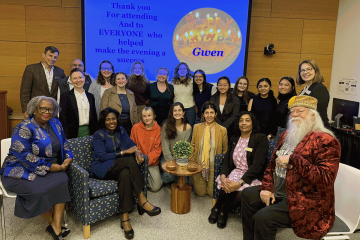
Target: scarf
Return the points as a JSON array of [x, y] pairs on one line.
[[205, 155]]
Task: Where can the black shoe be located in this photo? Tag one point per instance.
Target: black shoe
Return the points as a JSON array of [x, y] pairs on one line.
[[49, 229], [214, 215], [128, 234], [222, 218], [155, 211], [65, 231]]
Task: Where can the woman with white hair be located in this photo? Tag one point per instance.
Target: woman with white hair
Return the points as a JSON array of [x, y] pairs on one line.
[[35, 166]]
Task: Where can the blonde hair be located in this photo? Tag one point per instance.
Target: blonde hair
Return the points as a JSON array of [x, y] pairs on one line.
[[147, 110]]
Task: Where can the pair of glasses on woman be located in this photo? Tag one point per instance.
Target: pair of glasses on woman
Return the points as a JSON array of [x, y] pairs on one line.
[[44, 110]]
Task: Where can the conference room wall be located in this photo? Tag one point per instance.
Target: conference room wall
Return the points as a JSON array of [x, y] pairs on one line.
[[299, 29]]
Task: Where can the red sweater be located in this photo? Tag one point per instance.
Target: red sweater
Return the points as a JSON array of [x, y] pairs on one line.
[[148, 141]]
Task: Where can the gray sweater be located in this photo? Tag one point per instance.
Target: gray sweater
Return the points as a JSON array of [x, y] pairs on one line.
[[168, 144]]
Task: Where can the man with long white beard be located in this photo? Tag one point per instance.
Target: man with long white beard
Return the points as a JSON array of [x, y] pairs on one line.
[[298, 186]]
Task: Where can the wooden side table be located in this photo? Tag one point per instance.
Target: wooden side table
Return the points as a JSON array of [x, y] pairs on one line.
[[181, 191]]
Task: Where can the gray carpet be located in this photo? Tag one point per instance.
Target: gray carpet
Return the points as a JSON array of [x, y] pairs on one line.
[[167, 225]]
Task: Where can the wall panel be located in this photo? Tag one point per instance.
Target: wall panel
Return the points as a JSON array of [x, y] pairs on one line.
[[305, 9], [261, 8], [318, 36], [32, 2], [59, 25], [71, 3], [12, 23], [12, 58], [12, 86], [68, 52], [285, 34]]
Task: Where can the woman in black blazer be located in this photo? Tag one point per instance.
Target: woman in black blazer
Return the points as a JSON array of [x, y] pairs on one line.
[[243, 166], [309, 73], [227, 103], [78, 114]]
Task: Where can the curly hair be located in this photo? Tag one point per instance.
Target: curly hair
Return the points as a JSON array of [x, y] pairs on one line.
[[100, 78], [176, 77], [255, 123], [103, 115], [170, 127], [133, 78], [35, 103]]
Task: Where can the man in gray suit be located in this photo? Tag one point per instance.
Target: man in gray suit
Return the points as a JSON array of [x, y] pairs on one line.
[[41, 79], [65, 84]]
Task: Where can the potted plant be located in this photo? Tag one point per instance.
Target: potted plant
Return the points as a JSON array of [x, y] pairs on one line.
[[182, 152]]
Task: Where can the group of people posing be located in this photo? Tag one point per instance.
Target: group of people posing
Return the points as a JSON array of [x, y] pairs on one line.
[[128, 116]]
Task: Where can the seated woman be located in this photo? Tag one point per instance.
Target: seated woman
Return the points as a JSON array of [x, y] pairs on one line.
[[208, 140], [146, 136], [35, 166], [176, 128], [227, 103], [122, 100], [244, 165], [78, 113], [113, 161]]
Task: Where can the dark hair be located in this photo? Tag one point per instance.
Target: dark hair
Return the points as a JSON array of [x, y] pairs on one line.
[[195, 87], [255, 123], [76, 70], [170, 128], [126, 76], [166, 82], [176, 77], [271, 93], [103, 115], [100, 78], [247, 95], [51, 49], [318, 78], [208, 105], [293, 90], [133, 78], [229, 106]]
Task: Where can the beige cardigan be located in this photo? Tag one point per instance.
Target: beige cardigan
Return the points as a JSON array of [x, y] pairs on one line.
[[221, 140], [111, 99]]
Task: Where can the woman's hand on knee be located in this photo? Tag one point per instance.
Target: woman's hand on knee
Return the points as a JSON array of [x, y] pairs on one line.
[[139, 158], [55, 168]]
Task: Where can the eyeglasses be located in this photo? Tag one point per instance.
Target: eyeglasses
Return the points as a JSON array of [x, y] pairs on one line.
[[299, 112], [106, 69], [305, 70], [76, 65], [44, 110]]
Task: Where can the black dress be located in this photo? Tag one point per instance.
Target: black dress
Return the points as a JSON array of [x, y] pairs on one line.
[[264, 110]]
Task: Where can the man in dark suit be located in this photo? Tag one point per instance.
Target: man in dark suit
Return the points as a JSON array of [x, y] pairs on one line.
[[65, 84], [40, 79], [78, 114]]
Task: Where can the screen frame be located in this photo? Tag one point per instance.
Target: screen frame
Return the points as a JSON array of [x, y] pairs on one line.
[[246, 44]]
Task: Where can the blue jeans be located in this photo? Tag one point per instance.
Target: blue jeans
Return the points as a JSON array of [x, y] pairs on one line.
[[191, 115]]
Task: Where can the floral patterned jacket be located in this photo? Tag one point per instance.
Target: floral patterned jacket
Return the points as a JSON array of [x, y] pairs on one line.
[[310, 180], [31, 150]]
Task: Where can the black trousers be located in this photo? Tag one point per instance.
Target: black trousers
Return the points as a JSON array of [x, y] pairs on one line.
[[130, 181], [127, 125], [228, 201], [260, 221]]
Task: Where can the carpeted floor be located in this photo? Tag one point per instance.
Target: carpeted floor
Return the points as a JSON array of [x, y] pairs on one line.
[[167, 225]]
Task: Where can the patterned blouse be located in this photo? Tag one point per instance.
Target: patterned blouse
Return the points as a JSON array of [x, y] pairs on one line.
[[31, 151]]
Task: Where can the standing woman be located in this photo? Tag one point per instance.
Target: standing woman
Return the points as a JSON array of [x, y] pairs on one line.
[[309, 73], [78, 114], [138, 84], [175, 129], [35, 166], [241, 91], [122, 100], [226, 102], [208, 140], [183, 89], [263, 105], [161, 95], [147, 136], [114, 160], [286, 91], [202, 92], [105, 80]]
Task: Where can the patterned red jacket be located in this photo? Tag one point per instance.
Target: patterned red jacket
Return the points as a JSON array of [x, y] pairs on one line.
[[309, 183]]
